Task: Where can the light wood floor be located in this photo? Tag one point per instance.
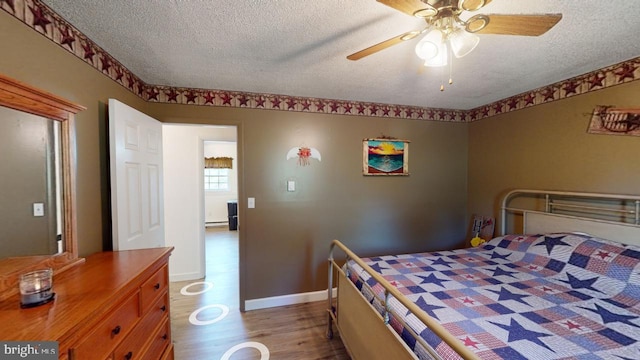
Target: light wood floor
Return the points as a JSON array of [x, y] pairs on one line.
[[291, 332]]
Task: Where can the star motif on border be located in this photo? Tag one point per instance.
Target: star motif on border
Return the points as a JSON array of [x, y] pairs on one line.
[[39, 18], [243, 100], [529, 99], [10, 3], [519, 332], [347, 108], [191, 96], [260, 101], [571, 87], [172, 95], [153, 94], [306, 105], [66, 38], [291, 104], [106, 63], [129, 80], [226, 98], [88, 51], [360, 109], [549, 93], [625, 71], [276, 102], [596, 80], [333, 107]]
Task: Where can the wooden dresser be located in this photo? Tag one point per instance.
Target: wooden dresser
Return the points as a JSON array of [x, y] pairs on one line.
[[113, 306]]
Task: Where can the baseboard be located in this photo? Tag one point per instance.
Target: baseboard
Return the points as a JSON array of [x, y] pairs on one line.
[[185, 277], [284, 300]]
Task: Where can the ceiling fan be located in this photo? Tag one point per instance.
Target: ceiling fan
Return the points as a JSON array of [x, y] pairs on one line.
[[448, 34]]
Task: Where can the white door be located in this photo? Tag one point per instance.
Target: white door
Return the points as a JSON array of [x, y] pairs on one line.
[[135, 148]]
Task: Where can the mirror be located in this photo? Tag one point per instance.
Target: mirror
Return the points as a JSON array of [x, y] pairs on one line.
[[45, 136], [30, 188]]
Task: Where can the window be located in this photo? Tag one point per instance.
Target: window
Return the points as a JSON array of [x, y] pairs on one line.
[[216, 179]]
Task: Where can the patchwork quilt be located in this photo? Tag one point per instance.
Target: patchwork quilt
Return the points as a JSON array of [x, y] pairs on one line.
[[553, 296]]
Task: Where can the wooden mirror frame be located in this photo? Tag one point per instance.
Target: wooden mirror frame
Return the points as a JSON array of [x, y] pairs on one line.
[[21, 97]]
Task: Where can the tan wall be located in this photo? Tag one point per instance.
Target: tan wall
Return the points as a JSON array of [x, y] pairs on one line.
[[548, 147], [31, 58], [286, 237]]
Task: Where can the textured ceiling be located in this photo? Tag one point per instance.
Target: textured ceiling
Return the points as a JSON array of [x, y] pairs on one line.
[[299, 48]]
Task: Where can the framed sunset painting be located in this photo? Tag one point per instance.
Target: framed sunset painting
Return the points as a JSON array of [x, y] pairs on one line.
[[385, 157]]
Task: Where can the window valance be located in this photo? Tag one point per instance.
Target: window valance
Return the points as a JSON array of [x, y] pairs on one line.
[[218, 163]]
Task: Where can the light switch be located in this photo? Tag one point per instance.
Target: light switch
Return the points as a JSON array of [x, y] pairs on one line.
[[38, 209], [291, 185], [251, 203]]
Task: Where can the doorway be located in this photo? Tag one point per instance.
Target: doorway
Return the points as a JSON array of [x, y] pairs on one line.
[[221, 218], [185, 214]]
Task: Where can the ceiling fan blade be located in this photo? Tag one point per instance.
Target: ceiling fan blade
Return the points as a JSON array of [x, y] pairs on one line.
[[406, 6], [383, 45], [473, 5], [526, 25]]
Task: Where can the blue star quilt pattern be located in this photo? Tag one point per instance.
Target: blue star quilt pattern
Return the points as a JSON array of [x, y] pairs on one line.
[[552, 296]]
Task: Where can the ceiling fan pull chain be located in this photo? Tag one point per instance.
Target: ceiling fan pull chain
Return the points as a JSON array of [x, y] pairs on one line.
[[450, 66]]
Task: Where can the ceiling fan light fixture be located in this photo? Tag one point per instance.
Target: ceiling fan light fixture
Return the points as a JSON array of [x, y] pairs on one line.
[[476, 23], [462, 42], [429, 46], [426, 12], [441, 57], [471, 5]]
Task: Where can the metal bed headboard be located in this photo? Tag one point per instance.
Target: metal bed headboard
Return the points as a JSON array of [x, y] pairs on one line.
[[626, 208]]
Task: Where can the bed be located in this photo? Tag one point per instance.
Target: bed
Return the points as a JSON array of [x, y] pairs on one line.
[[566, 287]]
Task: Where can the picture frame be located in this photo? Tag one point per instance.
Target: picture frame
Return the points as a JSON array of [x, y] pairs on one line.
[[615, 121], [385, 157]]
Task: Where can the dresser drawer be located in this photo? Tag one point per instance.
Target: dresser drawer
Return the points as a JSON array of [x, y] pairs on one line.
[[153, 287], [109, 332], [134, 345], [160, 341]]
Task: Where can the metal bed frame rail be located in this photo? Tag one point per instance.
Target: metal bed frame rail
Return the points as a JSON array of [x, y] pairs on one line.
[[550, 205], [390, 291]]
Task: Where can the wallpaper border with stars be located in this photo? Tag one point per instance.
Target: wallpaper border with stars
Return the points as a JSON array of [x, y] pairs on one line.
[[45, 21]]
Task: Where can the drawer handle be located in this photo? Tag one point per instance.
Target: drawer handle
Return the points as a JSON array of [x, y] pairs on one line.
[[116, 330], [165, 337], [156, 286], [128, 356], [163, 308]]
